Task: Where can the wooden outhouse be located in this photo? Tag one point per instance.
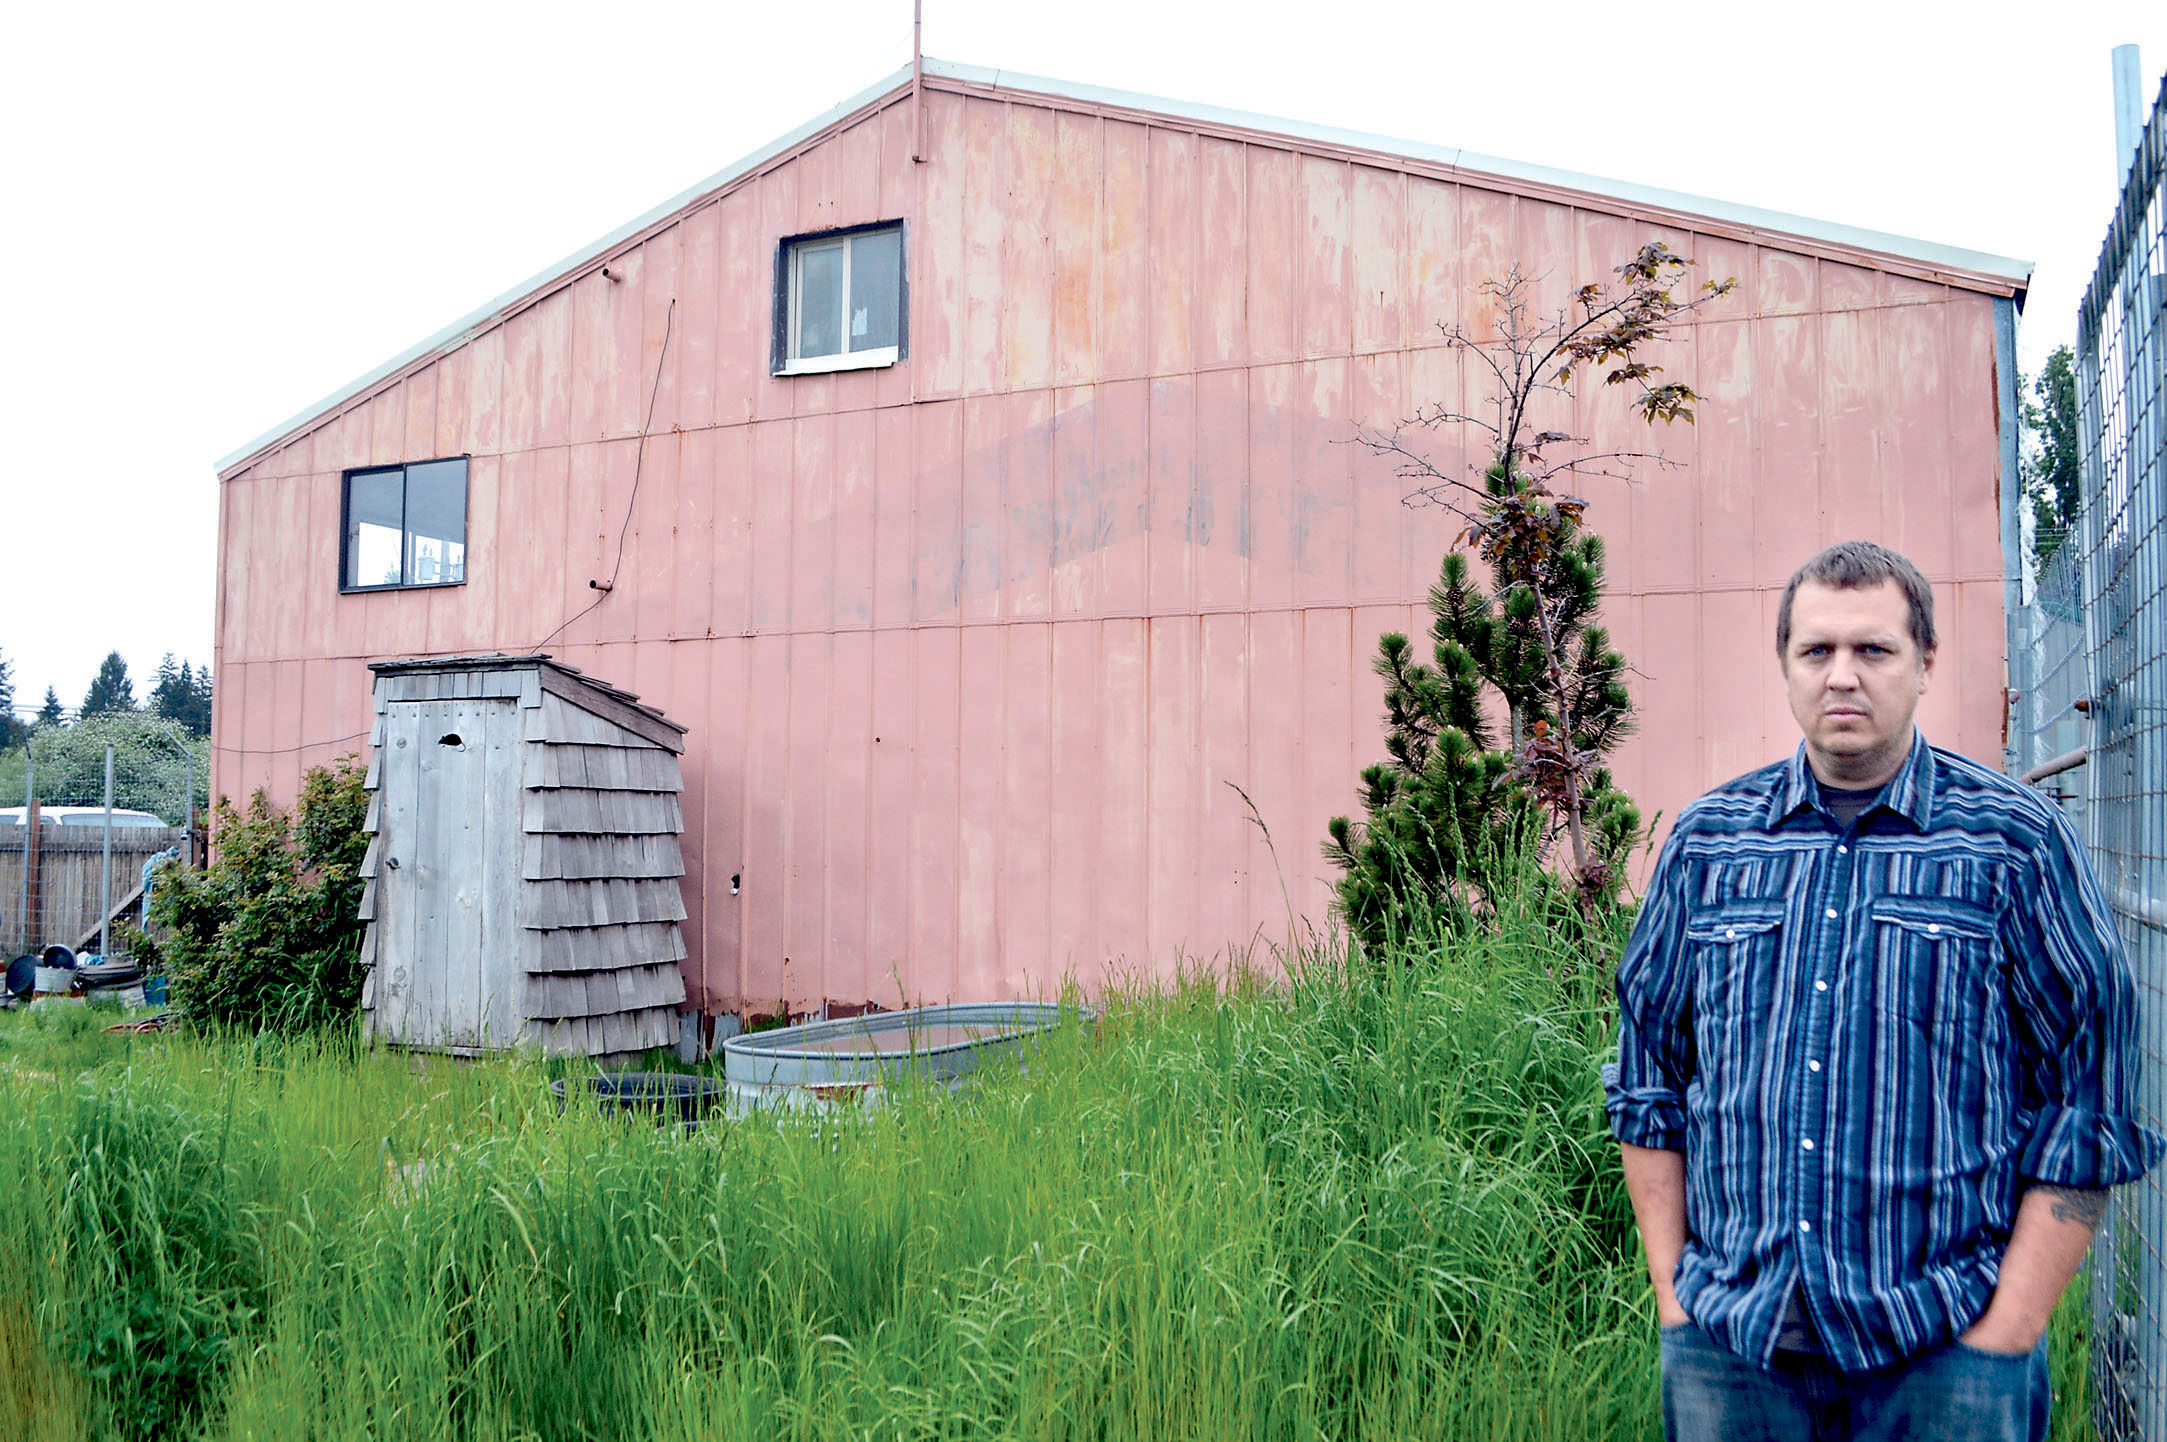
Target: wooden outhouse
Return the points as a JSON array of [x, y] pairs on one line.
[[523, 872]]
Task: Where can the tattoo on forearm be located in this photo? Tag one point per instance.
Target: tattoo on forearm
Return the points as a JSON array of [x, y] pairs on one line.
[[2082, 1205]]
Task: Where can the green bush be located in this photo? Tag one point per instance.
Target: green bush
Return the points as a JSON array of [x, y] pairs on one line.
[[268, 937]]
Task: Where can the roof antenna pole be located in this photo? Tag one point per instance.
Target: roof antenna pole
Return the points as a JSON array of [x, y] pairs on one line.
[[917, 74]]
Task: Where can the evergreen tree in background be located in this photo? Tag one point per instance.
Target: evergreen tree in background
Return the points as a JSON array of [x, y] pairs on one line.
[[199, 705], [183, 694], [110, 690], [12, 731], [50, 713]]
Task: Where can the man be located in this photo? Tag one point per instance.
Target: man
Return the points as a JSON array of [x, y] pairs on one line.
[[1875, 1067]]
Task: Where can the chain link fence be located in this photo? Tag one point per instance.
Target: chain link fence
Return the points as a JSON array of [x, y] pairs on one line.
[[2089, 725], [85, 811]]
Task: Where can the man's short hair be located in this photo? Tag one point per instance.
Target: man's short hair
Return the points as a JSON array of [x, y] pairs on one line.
[[1860, 565]]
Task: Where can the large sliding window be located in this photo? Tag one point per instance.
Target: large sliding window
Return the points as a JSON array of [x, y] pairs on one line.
[[405, 526]]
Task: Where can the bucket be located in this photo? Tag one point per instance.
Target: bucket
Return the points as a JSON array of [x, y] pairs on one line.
[[55, 980]]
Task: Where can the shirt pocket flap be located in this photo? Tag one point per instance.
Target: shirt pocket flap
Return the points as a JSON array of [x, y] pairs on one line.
[[1936, 918], [1736, 921]]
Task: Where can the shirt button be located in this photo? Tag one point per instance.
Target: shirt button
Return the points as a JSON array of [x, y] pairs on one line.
[[1813, 1066], [1730, 933], [1830, 913], [1804, 1225], [1843, 851], [1933, 928], [1806, 1142], [1820, 986]]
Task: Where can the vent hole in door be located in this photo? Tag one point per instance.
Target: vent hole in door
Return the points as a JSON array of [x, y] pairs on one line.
[[450, 738]]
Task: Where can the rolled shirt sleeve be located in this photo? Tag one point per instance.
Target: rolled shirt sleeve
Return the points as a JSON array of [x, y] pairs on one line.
[[2075, 1008], [1644, 1091]]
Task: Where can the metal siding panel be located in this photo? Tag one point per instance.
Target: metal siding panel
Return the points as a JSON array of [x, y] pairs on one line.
[[1073, 811], [889, 816], [1379, 559], [1915, 456], [1222, 490], [1275, 492], [1379, 259], [552, 402], [1028, 263], [1276, 744], [985, 166], [1171, 786], [485, 393], [743, 319], [773, 539], [387, 427], [1325, 301], [1222, 253], [1076, 253], [1079, 548], [1223, 681], [1787, 422], [660, 351], [1124, 273], [1724, 472], [1170, 496], [1119, 514], [854, 519], [734, 540], [625, 383], [767, 752], [979, 851], [937, 291], [692, 544], [522, 379], [1332, 669], [1027, 966], [806, 892], [698, 315], [1275, 245], [813, 521], [1324, 482], [845, 832], [1854, 498], [984, 569], [1029, 509], [1735, 652], [1124, 778], [1173, 267], [650, 545], [1974, 439], [934, 817], [936, 556], [1435, 294]]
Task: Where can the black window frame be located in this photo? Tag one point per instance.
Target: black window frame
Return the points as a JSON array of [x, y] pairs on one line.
[[346, 501], [779, 362]]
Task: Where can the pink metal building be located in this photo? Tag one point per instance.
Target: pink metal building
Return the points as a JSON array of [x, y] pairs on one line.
[[996, 519]]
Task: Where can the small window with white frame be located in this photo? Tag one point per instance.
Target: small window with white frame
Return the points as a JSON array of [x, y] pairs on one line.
[[840, 300]]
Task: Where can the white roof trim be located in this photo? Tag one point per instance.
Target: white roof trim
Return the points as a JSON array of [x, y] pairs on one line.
[[1851, 237]]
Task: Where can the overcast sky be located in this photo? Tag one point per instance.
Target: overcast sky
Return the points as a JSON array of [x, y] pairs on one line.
[[219, 213]]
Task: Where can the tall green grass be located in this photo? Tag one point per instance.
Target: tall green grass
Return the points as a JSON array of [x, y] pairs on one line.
[[1354, 1202]]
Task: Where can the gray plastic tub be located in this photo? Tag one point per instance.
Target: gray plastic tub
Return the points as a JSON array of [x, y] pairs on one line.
[[940, 1043]]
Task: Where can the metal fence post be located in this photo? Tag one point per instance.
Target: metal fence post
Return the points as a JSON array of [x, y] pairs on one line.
[[30, 820], [105, 867]]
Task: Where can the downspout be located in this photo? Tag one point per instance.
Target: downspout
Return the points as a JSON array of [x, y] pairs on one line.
[[2016, 736]]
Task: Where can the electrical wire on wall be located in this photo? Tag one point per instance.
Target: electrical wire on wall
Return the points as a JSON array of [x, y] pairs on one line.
[[603, 588]]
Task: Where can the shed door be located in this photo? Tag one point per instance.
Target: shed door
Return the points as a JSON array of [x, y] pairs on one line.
[[448, 958]]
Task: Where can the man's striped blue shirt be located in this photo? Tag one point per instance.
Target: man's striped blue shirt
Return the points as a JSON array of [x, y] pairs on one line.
[[1868, 1041]]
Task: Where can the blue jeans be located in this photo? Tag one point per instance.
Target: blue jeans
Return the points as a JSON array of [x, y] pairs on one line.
[[1953, 1394]]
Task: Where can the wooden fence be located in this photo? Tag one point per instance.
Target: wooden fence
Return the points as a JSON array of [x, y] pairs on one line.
[[61, 865]]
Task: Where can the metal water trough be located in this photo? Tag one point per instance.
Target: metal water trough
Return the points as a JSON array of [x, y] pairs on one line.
[[829, 1060]]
